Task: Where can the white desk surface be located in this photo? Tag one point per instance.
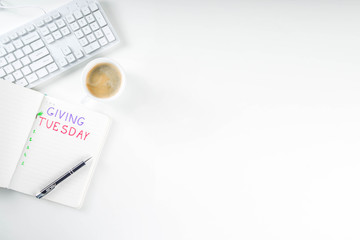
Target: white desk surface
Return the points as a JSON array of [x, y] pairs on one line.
[[240, 120]]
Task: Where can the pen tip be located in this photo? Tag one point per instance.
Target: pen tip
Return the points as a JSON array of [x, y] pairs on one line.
[[88, 159]]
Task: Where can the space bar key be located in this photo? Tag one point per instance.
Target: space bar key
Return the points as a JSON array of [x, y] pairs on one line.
[[41, 63]]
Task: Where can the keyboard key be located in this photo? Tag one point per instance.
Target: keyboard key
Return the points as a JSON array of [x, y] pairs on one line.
[[57, 35], [10, 58], [5, 40], [13, 36], [41, 63], [3, 62], [66, 50], [40, 23], [82, 22], [93, 7], [2, 72], [86, 30], [17, 65], [90, 18], [78, 54], [22, 82], [99, 34], [63, 62], [70, 58], [27, 49], [25, 60], [17, 75], [60, 23], [49, 39], [109, 35], [9, 78], [70, 18], [103, 41], [26, 70], [2, 52], [74, 26], [99, 18], [19, 54], [42, 72], [8, 69], [44, 31], [48, 19], [52, 67], [77, 14], [31, 37], [39, 54], [37, 44], [91, 47], [85, 11], [91, 37], [31, 78], [65, 31], [52, 27], [83, 41], [18, 43], [30, 28], [94, 26], [56, 15], [9, 47], [22, 32], [79, 33]]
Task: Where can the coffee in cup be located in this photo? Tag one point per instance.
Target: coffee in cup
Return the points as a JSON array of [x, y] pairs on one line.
[[103, 78]]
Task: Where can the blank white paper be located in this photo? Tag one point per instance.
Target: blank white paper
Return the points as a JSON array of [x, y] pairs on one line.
[[18, 107]]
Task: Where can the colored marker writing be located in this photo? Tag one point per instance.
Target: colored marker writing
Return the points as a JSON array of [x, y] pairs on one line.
[[64, 129]]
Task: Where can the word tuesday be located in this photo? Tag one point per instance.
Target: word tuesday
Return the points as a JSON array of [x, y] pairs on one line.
[[63, 128]]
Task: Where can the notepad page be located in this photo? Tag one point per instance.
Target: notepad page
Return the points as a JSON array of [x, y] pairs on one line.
[[18, 107], [62, 136]]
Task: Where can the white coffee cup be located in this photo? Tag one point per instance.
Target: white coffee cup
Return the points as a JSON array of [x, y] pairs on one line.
[[90, 66]]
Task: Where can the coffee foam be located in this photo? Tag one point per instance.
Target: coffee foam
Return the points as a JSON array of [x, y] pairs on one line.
[[103, 80]]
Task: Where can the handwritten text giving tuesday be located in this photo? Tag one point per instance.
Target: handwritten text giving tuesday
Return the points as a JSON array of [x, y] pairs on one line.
[[69, 124]]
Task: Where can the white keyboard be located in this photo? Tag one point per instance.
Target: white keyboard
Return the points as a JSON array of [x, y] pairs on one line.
[[54, 43]]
